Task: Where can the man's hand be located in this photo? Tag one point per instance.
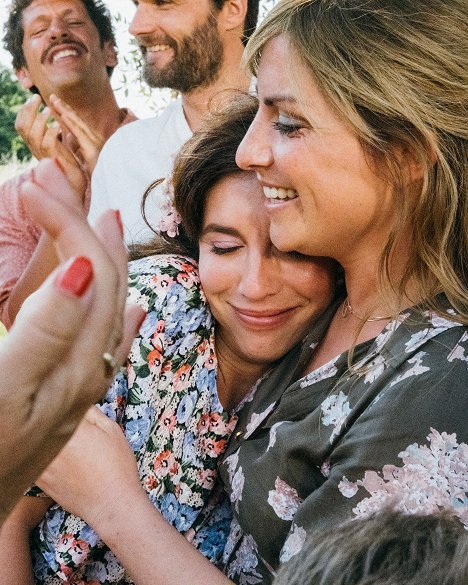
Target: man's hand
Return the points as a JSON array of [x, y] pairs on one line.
[[88, 143], [45, 140]]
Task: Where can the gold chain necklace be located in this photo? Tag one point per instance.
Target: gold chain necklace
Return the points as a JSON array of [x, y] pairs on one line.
[[347, 309]]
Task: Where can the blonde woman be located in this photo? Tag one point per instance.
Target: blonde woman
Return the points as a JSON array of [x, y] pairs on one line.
[[360, 143]]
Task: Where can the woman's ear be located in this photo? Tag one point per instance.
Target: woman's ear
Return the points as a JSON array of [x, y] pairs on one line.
[[413, 166]]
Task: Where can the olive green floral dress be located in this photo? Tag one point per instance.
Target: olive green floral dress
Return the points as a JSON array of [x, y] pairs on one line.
[[310, 452]]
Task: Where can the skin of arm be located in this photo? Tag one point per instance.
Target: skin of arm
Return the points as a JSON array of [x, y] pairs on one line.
[[42, 263], [151, 550], [15, 559]]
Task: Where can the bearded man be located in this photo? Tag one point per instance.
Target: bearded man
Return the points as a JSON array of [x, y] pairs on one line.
[[194, 47]]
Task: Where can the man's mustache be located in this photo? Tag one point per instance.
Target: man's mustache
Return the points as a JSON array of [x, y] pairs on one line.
[[58, 43]]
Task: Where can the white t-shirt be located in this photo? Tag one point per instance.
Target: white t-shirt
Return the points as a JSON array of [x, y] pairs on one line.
[[130, 161]]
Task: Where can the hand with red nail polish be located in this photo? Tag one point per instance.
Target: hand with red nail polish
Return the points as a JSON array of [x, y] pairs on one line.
[[52, 361]]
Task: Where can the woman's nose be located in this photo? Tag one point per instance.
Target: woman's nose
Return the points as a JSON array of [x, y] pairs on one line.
[[259, 279], [254, 151]]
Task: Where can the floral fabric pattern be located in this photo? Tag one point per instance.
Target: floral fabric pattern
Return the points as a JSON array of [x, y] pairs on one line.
[[167, 405], [343, 441], [433, 477]]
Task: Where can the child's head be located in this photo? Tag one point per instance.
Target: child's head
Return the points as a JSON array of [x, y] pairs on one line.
[[386, 549]]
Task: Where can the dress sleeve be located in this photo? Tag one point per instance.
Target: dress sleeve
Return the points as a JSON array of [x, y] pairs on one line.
[[64, 546], [165, 400]]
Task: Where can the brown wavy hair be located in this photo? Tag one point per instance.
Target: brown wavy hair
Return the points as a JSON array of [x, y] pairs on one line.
[[397, 72]]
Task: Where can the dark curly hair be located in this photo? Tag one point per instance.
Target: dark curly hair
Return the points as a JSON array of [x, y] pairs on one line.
[[14, 32]]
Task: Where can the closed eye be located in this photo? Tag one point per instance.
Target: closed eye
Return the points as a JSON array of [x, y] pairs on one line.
[[221, 250], [38, 31]]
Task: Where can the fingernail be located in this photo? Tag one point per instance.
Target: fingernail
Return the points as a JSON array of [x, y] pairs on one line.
[[118, 219], [77, 276]]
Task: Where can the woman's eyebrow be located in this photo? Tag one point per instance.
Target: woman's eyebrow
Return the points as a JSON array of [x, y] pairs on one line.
[[220, 229], [279, 99]]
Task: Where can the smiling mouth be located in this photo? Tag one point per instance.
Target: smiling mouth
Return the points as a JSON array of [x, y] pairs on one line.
[[279, 193], [263, 320], [157, 49], [64, 54], [58, 51]]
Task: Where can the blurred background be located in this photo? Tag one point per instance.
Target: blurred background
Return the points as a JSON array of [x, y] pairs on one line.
[[130, 91]]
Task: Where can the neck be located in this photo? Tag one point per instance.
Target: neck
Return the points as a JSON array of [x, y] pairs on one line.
[[365, 294], [97, 108], [368, 301], [199, 102], [235, 376]]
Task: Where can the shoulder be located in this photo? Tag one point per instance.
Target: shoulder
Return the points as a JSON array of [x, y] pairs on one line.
[[426, 333], [157, 280], [168, 289], [145, 128], [133, 130], [161, 263]]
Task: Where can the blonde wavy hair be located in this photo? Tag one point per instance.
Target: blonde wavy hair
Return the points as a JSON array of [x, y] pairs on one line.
[[397, 72]]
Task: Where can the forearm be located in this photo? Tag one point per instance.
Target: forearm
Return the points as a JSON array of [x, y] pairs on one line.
[[43, 261], [151, 550], [15, 558]]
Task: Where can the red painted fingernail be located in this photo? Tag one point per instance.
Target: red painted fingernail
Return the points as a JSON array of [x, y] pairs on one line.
[[118, 219], [77, 276]]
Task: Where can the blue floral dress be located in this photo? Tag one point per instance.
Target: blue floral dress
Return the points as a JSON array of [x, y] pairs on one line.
[[166, 403]]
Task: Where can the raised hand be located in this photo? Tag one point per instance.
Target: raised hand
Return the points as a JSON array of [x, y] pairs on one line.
[[88, 142], [52, 360], [46, 140]]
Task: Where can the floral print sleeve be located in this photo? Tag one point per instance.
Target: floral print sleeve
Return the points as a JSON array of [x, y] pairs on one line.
[[338, 443], [166, 402]]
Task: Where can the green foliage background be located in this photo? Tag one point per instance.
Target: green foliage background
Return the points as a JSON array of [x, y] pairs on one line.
[[12, 96]]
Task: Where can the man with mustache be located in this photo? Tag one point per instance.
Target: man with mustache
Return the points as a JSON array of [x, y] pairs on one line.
[[194, 47], [63, 48]]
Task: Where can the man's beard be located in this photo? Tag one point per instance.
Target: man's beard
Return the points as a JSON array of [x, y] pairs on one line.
[[196, 62]]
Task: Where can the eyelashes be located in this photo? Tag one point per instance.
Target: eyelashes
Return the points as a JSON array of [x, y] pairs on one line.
[[221, 251], [287, 129]]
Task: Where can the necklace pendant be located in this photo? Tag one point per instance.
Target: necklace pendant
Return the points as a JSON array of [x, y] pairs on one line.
[[346, 308]]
